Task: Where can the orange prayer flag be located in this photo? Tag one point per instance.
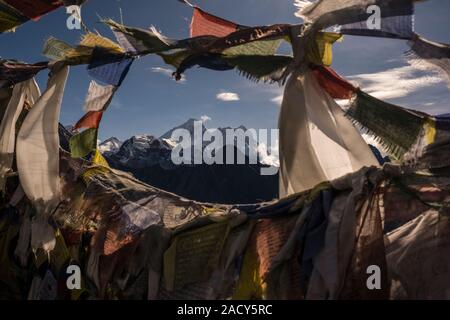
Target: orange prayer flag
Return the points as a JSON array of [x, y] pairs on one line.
[[205, 24], [90, 120], [336, 86]]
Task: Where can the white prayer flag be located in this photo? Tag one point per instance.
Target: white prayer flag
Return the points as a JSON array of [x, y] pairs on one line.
[[38, 147], [23, 91], [321, 144], [99, 97]]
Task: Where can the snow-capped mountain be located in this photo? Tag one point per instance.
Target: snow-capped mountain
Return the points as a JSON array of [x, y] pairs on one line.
[[188, 125], [144, 150], [149, 159], [267, 156], [141, 151], [111, 145]]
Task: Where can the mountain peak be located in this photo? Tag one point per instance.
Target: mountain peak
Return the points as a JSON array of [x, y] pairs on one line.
[[189, 125], [110, 145]]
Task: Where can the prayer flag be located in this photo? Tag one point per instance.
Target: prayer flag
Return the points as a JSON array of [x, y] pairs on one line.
[[397, 22], [38, 146], [431, 54], [83, 143], [109, 68], [27, 91], [205, 24], [99, 97], [14, 72], [336, 86], [398, 129], [321, 130], [90, 120]]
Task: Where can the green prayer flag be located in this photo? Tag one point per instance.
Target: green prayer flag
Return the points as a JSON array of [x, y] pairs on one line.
[[396, 128], [83, 143]]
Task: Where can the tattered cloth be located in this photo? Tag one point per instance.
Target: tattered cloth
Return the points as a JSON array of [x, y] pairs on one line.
[[431, 54], [324, 13], [13, 72]]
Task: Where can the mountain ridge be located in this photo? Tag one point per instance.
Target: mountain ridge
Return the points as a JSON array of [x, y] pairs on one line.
[[148, 158]]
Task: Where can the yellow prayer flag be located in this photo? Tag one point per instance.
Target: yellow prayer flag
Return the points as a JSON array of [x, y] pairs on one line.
[[320, 51]]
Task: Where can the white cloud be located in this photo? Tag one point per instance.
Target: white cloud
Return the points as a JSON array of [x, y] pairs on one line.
[[205, 118], [277, 100], [227, 96], [397, 82], [168, 72], [413, 87]]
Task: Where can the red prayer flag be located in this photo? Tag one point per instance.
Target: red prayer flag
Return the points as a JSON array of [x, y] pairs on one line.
[[205, 24], [90, 120], [33, 9], [336, 86]]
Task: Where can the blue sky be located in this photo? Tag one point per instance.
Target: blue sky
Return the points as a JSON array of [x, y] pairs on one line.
[[149, 101]]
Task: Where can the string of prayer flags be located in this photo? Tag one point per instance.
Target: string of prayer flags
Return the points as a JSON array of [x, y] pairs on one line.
[[154, 42], [57, 50], [217, 53], [83, 143], [336, 86], [109, 68], [430, 54], [136, 40], [99, 97], [33, 9], [90, 120]]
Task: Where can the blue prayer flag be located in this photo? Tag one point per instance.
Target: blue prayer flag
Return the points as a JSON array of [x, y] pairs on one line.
[[109, 68]]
